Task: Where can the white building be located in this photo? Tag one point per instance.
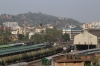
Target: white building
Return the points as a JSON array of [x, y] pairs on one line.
[[87, 39], [37, 30], [31, 34], [10, 24], [94, 25]]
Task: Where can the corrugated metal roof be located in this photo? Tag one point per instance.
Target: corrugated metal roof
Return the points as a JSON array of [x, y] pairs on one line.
[[19, 49], [95, 32]]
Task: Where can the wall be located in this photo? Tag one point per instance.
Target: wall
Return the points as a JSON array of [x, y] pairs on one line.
[[70, 64], [85, 38]]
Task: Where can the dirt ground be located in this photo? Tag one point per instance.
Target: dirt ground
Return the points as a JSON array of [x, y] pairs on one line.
[[35, 63]]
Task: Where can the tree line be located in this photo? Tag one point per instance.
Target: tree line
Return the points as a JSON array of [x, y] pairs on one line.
[[50, 35]]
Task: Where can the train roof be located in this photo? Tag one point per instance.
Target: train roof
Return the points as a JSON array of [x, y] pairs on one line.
[[3, 46], [19, 49], [8, 45]]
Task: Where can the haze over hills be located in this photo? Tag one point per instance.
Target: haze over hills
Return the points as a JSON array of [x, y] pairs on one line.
[[34, 19]]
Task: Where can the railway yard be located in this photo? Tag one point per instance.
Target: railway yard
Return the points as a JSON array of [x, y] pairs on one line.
[[37, 54], [27, 53]]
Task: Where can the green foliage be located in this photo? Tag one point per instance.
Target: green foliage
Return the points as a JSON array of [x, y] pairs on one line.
[[87, 64], [37, 38], [26, 37], [20, 36], [66, 37], [49, 36], [5, 37]]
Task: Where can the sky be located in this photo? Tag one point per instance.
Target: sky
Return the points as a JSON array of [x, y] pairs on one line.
[[84, 11]]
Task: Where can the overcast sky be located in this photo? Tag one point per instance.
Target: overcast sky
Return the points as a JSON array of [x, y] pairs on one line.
[[81, 10]]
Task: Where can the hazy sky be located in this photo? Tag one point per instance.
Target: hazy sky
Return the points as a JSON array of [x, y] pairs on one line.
[[81, 10]]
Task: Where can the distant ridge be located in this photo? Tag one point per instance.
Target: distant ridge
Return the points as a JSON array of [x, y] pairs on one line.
[[34, 19]]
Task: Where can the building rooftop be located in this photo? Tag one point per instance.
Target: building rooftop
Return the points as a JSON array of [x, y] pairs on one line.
[[72, 28], [95, 32], [72, 60]]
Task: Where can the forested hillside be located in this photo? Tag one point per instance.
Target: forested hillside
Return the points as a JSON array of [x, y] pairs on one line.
[[34, 19]]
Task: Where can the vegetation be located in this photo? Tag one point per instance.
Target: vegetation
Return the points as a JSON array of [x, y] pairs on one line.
[[20, 36], [87, 64], [96, 60], [66, 37], [50, 35], [5, 37]]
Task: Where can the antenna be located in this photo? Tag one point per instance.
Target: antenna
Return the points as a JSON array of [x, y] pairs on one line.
[[38, 8]]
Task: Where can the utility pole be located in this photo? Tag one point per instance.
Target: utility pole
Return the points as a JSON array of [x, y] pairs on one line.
[[88, 40], [38, 8], [24, 25]]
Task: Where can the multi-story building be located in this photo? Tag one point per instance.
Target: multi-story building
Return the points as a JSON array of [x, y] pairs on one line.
[[87, 26], [10, 24], [93, 25], [72, 31]]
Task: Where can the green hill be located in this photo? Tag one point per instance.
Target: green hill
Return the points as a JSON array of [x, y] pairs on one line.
[[34, 19]]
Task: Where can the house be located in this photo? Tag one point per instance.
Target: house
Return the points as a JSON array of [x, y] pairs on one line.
[[88, 39]]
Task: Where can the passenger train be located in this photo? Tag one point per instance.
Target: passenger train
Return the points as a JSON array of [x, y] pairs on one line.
[[16, 45]]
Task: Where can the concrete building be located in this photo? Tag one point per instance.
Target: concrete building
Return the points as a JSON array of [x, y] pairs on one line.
[[87, 26], [87, 39], [94, 25], [72, 31]]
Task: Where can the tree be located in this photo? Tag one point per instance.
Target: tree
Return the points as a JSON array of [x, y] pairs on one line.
[[5, 37], [50, 35], [20, 36], [54, 34], [66, 37], [26, 37], [37, 38]]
